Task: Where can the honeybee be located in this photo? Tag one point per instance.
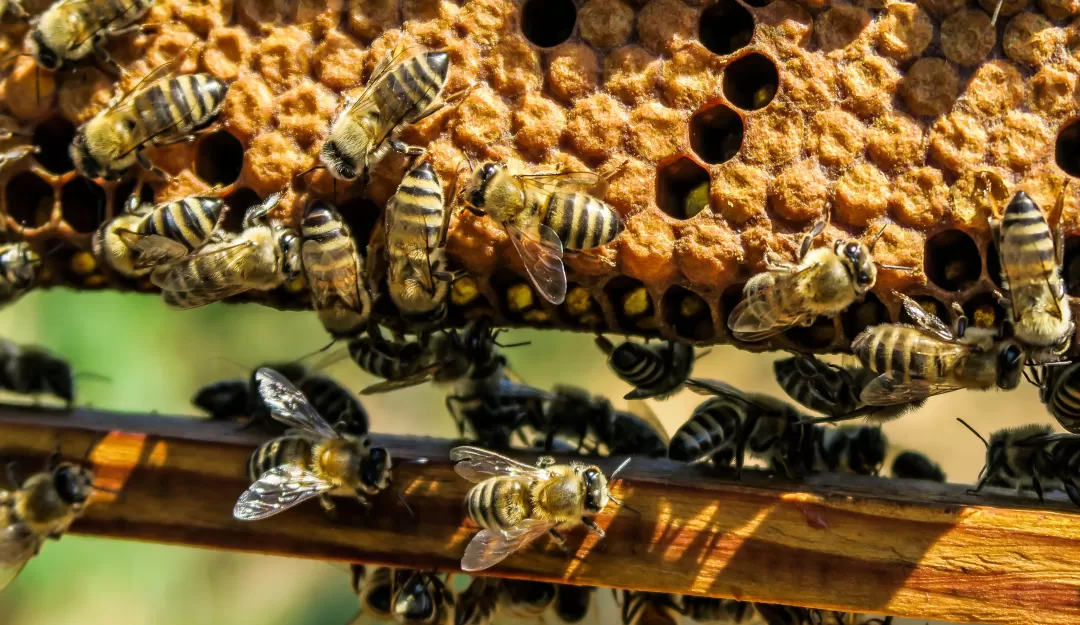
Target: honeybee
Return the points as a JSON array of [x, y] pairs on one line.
[[1031, 276], [20, 152], [157, 111], [573, 412], [706, 610], [18, 269], [543, 214], [263, 256], [775, 614], [526, 600], [916, 362], [144, 238], [655, 371], [572, 602], [515, 504], [334, 269], [375, 589], [859, 449], [423, 599], [399, 362], [30, 370], [477, 604], [69, 30], [317, 460], [403, 89], [416, 224], [1030, 457], [649, 608], [42, 507], [912, 465], [1059, 390], [822, 282]]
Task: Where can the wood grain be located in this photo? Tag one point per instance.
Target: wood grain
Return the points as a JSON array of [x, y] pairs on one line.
[[841, 542]]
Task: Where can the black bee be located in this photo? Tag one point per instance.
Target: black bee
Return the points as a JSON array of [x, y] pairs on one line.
[[572, 603], [656, 371], [575, 413], [1031, 457], [709, 610], [423, 599], [912, 465], [30, 370], [1059, 390]]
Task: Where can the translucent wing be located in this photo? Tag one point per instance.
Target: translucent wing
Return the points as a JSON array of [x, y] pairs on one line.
[[925, 320], [543, 261], [642, 410], [154, 250], [392, 385], [150, 78], [344, 286], [703, 386], [757, 317], [489, 547], [561, 181], [887, 390], [289, 405], [476, 465], [277, 490], [83, 34], [394, 112], [17, 545]]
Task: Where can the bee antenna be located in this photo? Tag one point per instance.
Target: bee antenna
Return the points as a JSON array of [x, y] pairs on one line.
[[623, 505], [896, 267], [111, 491], [401, 496], [877, 236], [975, 432], [413, 461], [620, 468], [309, 170]]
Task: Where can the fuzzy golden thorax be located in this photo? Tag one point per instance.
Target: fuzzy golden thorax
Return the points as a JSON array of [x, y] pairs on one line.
[[49, 502], [98, 148], [493, 191]]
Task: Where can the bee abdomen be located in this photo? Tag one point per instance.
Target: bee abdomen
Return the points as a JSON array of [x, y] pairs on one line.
[[189, 220], [416, 84], [637, 364], [1061, 394], [498, 503], [581, 221], [176, 106], [713, 424], [277, 452], [890, 348]]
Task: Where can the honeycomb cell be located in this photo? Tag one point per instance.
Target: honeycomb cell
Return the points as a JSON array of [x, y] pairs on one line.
[[1030, 38], [691, 78], [633, 306], [943, 8], [632, 187], [774, 140], [1021, 141], [237, 204], [904, 31], [547, 23], [481, 120], [219, 159], [729, 299], [839, 26], [631, 74], [124, 190], [439, 12], [682, 187], [751, 81], [82, 204], [537, 124], [247, 106], [995, 87], [984, 312], [656, 130], [867, 313], [800, 192], [809, 80], [284, 57], [226, 53], [304, 112], [740, 192], [707, 252], [29, 92], [967, 37], [716, 133], [205, 17], [272, 160], [919, 197], [725, 26], [895, 141], [606, 23], [84, 93], [818, 335], [645, 248], [869, 83], [53, 138], [839, 137], [785, 26], [978, 196], [1053, 92], [338, 61], [1067, 149], [688, 315], [573, 71], [1059, 9], [513, 67], [665, 25], [597, 125], [581, 308], [930, 87], [29, 200], [362, 215], [952, 260], [367, 19], [958, 141], [861, 195]]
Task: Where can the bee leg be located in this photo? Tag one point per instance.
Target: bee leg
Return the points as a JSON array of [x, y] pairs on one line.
[[1071, 490], [329, 507], [144, 161], [559, 539], [808, 238], [404, 148], [104, 58], [589, 523]]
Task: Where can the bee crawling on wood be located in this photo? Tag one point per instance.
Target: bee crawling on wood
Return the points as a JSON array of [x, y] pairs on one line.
[[912, 465], [574, 413], [648, 608], [30, 370]]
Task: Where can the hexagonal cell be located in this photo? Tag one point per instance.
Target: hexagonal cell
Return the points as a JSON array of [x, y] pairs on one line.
[[29, 200], [858, 317], [725, 26], [467, 302], [82, 204], [931, 305], [682, 187], [983, 311], [517, 298], [362, 215], [952, 260], [53, 138], [77, 267], [716, 133], [633, 306], [688, 314], [818, 335], [1071, 266], [751, 81], [124, 190], [237, 203], [548, 23], [580, 308], [219, 159], [1067, 148]]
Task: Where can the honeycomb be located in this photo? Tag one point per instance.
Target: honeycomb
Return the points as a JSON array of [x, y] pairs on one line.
[[730, 127]]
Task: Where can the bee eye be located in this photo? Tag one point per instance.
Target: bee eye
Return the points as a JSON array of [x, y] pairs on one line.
[[1012, 355], [852, 249], [864, 278]]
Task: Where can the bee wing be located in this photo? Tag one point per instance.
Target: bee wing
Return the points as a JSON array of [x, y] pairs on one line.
[[489, 547], [85, 35], [543, 261], [476, 465], [703, 386], [756, 318], [277, 490], [392, 385], [560, 181], [289, 405], [347, 290], [925, 320], [17, 546], [391, 118], [187, 276], [154, 250], [153, 75], [887, 390], [642, 410]]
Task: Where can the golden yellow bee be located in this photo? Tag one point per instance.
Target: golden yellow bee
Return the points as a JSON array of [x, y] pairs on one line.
[[69, 30], [334, 269]]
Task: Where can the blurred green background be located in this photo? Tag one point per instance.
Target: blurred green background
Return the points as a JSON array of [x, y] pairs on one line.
[[156, 359]]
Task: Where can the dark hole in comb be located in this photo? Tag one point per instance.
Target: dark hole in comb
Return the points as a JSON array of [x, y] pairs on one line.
[[757, 4], [952, 260], [1067, 148], [983, 311], [716, 133], [817, 335], [1071, 265], [219, 159], [688, 314], [993, 263], [362, 215], [53, 139], [682, 188], [82, 204], [124, 190], [633, 305], [751, 81], [29, 200], [729, 300], [862, 315], [548, 23], [725, 27], [238, 203]]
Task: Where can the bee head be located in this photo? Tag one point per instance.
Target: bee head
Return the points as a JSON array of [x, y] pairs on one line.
[[342, 164], [43, 53], [596, 489], [1010, 366], [414, 601], [375, 469], [859, 263], [478, 187], [73, 483]]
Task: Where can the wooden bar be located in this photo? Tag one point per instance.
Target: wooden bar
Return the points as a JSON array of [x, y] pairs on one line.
[[837, 541]]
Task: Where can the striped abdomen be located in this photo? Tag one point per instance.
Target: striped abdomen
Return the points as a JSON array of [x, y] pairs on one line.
[[639, 365], [815, 384], [331, 260], [906, 350], [409, 89], [581, 221], [1061, 394], [416, 214], [390, 361], [1027, 245], [189, 220], [713, 427], [499, 502], [277, 452], [117, 254], [173, 107]]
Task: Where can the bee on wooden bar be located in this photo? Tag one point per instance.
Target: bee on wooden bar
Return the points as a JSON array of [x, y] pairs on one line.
[[649, 608], [404, 88], [315, 459], [575, 413], [30, 370], [156, 112], [822, 282], [776, 614], [912, 465], [710, 610], [544, 214], [655, 371], [69, 30], [1059, 390], [572, 602], [834, 391], [18, 268], [850, 449], [262, 257], [1031, 457], [515, 503], [1031, 257], [41, 507], [416, 224], [423, 599], [334, 270]]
